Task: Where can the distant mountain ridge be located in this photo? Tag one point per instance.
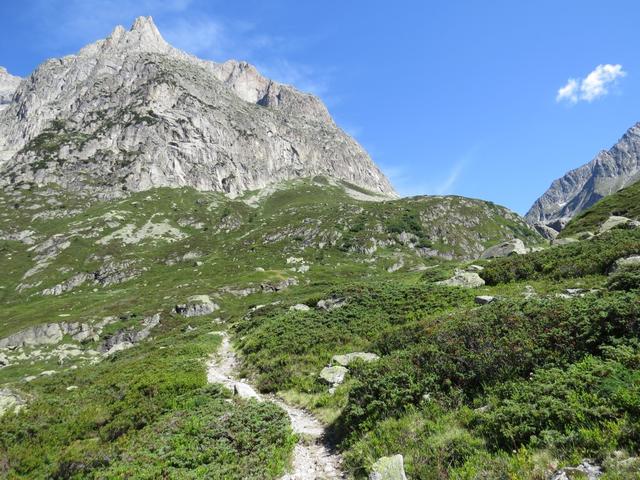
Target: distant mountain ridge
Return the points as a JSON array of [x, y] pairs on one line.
[[610, 171], [131, 112]]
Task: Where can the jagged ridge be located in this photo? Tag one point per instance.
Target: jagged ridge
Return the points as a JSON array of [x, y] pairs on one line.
[[576, 191], [131, 112]]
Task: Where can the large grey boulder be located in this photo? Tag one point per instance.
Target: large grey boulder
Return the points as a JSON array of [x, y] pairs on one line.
[[388, 468], [510, 247], [463, 279], [347, 358], [333, 375], [196, 306]]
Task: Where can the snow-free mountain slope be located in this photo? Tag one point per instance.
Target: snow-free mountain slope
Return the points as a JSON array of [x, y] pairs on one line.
[[576, 191], [131, 112]]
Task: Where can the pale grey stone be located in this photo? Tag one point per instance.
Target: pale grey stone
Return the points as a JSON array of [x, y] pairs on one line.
[[510, 247], [463, 279], [196, 306], [388, 468], [333, 375]]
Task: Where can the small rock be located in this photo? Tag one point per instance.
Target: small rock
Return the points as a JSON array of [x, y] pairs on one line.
[[463, 279], [584, 470], [474, 268], [484, 299], [300, 307], [71, 388], [388, 468]]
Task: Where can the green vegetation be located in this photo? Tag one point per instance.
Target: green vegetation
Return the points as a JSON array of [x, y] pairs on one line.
[[579, 259], [625, 203], [512, 389]]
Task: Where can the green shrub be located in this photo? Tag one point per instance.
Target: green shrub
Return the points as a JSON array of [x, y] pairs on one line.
[[577, 259], [625, 278]]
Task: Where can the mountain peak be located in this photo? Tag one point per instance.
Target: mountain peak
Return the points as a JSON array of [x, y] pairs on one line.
[[143, 36]]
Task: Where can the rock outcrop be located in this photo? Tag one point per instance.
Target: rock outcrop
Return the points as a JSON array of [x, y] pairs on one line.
[[196, 306], [131, 112], [576, 191], [8, 86]]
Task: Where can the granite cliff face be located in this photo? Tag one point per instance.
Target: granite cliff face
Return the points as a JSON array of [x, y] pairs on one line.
[[607, 173], [131, 112], [8, 85]]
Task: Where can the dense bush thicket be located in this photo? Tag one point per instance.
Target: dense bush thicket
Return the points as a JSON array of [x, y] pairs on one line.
[[577, 259], [289, 348], [453, 359]]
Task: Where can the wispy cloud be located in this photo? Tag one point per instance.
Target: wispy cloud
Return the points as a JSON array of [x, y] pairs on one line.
[[444, 183], [595, 85]]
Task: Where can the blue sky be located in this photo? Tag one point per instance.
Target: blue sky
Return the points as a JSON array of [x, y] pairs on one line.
[[485, 99]]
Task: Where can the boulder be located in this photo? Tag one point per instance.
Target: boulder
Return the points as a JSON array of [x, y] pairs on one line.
[[10, 401], [331, 303], [278, 286], [196, 306], [347, 358], [545, 231], [484, 299], [333, 375], [511, 247], [632, 260], [585, 470], [463, 279], [612, 222], [388, 468]]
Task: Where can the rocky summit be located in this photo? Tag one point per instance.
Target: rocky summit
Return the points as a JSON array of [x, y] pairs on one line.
[[131, 112], [610, 171]]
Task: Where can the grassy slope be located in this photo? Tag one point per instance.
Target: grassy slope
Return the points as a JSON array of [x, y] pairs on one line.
[[143, 404], [624, 203]]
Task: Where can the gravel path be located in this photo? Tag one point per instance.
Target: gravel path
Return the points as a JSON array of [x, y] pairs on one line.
[[312, 460]]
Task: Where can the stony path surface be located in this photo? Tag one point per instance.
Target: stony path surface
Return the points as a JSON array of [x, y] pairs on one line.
[[313, 460]]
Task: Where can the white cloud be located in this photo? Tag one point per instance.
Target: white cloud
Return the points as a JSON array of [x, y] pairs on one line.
[[569, 91], [595, 85]]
